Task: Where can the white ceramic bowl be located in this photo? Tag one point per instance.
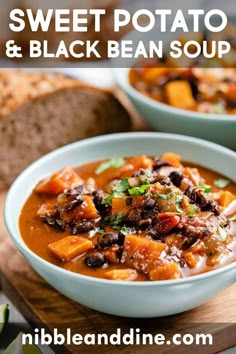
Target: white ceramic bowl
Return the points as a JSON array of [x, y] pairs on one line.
[[131, 299], [219, 128]]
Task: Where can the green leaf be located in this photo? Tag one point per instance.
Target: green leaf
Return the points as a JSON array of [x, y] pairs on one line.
[[221, 183], [205, 187], [191, 211], [233, 218], [137, 191], [16, 347], [165, 196], [4, 315], [123, 186], [115, 162], [116, 219], [179, 199], [107, 200], [223, 234], [124, 230]]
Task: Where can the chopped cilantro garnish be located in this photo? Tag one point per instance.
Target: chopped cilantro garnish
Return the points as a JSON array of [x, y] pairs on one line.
[[116, 219], [122, 229], [137, 191], [117, 192], [165, 196], [115, 162], [205, 187], [191, 211], [100, 231], [122, 186], [221, 183], [179, 199], [107, 200]]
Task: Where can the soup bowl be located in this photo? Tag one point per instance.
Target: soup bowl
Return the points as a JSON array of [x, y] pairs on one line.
[[219, 128], [130, 299]]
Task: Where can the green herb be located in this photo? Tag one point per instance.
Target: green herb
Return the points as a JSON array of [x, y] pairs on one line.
[[122, 229], [137, 191], [117, 192], [115, 162], [221, 183], [116, 219], [148, 194], [107, 200], [128, 201], [233, 218], [191, 211], [205, 187], [122, 186], [223, 234], [179, 199], [165, 196], [100, 231], [4, 315]]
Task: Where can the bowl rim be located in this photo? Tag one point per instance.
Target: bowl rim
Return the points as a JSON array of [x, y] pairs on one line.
[[128, 88], [25, 250]]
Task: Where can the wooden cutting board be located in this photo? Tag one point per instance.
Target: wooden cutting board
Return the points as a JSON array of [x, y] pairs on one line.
[[43, 306]]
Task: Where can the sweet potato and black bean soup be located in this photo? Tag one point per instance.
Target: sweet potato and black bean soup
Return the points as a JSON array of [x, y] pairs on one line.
[[135, 219], [191, 85]]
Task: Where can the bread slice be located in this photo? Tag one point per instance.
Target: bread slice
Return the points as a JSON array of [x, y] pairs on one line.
[[40, 112]]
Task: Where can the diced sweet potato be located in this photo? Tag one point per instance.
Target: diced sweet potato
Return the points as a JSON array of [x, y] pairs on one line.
[[70, 247], [179, 94], [226, 198], [141, 161], [87, 209], [165, 272], [141, 253], [126, 205], [173, 159], [59, 181], [112, 255], [191, 259], [122, 274], [44, 209], [152, 74]]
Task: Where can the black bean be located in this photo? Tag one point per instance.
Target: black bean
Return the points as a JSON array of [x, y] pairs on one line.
[[109, 239], [145, 223], [82, 227], [191, 194], [155, 235], [194, 86], [149, 204], [95, 260], [197, 196], [73, 202], [54, 220], [158, 163], [176, 178]]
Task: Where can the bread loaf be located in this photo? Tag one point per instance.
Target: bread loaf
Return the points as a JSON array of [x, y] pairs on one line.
[[40, 112]]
